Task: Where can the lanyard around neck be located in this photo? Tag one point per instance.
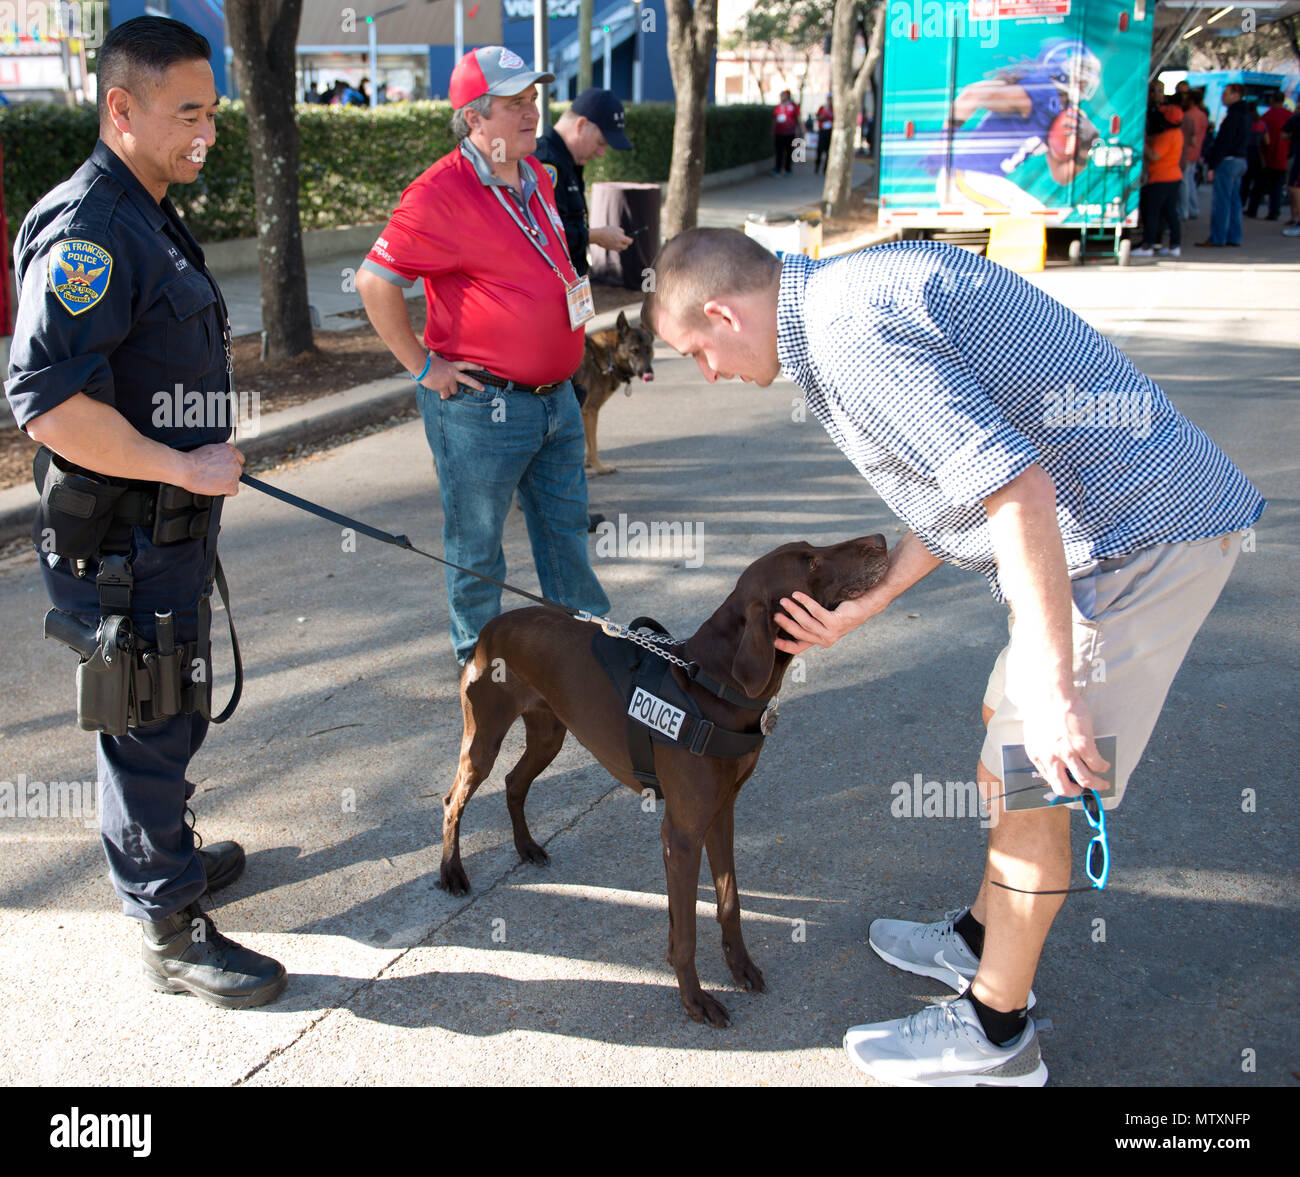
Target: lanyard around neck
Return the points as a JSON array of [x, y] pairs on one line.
[[527, 230]]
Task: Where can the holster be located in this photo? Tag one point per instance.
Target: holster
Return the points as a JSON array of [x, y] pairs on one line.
[[104, 680], [122, 684]]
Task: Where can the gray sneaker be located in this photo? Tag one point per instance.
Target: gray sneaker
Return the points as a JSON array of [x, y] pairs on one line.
[[931, 950], [944, 1046]]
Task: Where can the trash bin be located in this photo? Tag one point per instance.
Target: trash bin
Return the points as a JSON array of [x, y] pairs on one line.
[[634, 208]]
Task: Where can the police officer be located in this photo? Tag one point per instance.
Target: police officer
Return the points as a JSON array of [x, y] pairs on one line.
[[591, 125], [583, 132], [119, 367]]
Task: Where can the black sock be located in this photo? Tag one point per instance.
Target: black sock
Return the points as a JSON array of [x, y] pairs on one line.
[[999, 1028], [972, 931]]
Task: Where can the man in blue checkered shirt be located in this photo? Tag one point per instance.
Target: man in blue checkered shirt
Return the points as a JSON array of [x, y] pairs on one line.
[[1016, 441]]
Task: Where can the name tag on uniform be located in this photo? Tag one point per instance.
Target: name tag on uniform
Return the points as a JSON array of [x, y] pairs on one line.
[[655, 713], [582, 306]]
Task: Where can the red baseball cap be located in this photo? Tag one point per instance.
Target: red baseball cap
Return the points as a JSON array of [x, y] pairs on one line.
[[491, 70]]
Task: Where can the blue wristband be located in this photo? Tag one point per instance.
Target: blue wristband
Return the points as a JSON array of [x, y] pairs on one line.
[[428, 363]]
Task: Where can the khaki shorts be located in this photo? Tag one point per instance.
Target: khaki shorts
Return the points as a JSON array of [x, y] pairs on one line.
[[1134, 620]]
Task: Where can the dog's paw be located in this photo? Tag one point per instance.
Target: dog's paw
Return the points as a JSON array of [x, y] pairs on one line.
[[453, 878], [532, 852], [704, 1008], [748, 976]]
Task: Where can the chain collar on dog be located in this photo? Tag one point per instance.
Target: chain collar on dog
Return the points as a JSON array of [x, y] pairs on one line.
[[654, 642]]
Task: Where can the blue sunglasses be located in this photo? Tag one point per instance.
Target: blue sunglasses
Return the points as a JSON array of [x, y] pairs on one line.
[[1097, 861]]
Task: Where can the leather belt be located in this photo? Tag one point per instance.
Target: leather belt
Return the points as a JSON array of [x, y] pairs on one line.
[[513, 385]]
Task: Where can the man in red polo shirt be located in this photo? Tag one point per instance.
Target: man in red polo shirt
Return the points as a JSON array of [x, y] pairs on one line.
[[503, 336], [785, 126]]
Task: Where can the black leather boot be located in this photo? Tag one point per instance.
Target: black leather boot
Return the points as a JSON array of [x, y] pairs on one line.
[[184, 953], [223, 862]]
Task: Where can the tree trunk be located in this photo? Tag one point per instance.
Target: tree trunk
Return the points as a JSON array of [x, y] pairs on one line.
[[692, 37], [584, 43], [847, 90], [263, 34]]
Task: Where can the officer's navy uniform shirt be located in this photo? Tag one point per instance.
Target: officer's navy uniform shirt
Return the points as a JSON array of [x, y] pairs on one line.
[[943, 376], [157, 323], [570, 194]]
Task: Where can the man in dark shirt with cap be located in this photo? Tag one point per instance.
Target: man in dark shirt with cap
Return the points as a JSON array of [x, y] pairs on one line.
[[593, 123], [120, 367]]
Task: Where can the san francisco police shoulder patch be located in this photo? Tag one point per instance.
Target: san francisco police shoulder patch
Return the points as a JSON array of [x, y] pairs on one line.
[[555, 176], [79, 274]]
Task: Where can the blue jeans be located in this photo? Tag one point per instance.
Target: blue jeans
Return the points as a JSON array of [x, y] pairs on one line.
[[487, 447], [1225, 219], [1189, 206]]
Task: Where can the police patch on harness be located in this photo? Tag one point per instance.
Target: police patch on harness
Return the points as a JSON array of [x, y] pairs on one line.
[[655, 713], [79, 272]]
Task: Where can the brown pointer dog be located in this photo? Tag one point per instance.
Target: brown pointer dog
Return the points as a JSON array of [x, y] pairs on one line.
[[554, 681], [612, 357]]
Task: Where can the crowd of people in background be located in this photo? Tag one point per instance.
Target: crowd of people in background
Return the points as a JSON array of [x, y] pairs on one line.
[[343, 93], [1250, 159], [816, 129]]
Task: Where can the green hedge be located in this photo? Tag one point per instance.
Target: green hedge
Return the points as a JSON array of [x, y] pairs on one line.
[[733, 135], [354, 161]]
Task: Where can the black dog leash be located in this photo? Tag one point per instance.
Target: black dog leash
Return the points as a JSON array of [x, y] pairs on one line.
[[398, 541], [693, 669]]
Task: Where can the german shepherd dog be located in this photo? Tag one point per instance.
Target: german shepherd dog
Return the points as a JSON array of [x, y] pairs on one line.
[[612, 357]]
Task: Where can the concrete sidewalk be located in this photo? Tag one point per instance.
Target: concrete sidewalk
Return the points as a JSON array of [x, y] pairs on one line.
[[331, 775]]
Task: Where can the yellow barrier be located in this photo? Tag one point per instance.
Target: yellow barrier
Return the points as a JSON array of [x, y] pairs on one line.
[[1019, 243]]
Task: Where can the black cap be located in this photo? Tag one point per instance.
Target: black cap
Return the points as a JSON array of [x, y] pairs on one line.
[[604, 109]]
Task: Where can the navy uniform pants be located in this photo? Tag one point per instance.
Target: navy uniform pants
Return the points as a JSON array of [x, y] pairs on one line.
[[142, 775]]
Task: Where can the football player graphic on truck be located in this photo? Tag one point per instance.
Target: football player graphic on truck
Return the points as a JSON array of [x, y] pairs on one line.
[[1020, 130]]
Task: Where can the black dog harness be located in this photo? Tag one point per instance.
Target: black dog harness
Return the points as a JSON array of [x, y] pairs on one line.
[[659, 711]]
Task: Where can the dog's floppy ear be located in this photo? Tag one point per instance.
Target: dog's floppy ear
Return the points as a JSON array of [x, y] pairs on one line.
[[755, 653], [621, 323]]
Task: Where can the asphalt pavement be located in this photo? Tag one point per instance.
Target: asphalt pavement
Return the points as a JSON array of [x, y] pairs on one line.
[[331, 775]]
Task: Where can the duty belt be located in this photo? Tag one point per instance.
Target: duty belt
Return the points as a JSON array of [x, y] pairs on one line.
[[121, 683]]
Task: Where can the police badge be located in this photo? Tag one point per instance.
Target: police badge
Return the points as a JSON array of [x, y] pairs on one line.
[[79, 272]]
